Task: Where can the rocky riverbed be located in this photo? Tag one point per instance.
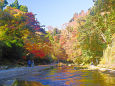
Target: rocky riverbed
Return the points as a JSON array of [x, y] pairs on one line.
[[21, 71]]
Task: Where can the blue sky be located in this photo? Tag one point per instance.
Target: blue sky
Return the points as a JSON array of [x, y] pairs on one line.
[[55, 12]]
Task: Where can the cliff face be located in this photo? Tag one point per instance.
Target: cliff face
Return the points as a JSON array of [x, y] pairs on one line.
[[113, 51], [109, 54]]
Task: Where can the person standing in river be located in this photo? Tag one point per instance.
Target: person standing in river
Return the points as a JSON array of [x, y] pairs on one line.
[[32, 63], [29, 59], [29, 63]]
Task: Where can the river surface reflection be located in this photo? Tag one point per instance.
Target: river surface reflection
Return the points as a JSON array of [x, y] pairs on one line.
[[62, 76]]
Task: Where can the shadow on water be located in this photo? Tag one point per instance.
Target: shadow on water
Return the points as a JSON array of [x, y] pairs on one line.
[[62, 76]]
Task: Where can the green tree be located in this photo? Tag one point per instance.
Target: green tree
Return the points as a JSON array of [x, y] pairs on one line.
[[23, 8], [3, 3], [56, 31], [15, 4]]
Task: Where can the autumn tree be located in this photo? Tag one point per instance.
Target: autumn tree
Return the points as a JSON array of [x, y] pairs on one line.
[[95, 34]]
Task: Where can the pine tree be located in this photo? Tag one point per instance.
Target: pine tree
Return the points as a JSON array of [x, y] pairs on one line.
[[3, 3], [15, 4]]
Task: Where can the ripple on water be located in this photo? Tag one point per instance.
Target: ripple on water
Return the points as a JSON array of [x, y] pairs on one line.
[[63, 77]]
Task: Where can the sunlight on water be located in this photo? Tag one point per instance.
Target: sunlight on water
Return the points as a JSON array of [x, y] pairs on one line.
[[63, 76]]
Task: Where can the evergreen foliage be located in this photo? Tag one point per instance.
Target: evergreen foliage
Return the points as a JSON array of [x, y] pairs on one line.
[[20, 7], [3, 3]]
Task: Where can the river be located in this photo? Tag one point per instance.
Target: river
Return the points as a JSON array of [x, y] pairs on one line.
[[62, 76]]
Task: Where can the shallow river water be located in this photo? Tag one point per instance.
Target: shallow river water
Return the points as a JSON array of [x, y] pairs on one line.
[[62, 76]]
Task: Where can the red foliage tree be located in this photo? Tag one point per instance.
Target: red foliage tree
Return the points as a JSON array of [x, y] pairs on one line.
[[32, 22]]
